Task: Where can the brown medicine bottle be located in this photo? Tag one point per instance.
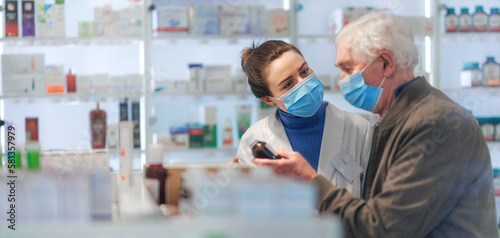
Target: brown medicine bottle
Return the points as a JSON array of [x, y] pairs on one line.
[[155, 174], [98, 127], [261, 149]]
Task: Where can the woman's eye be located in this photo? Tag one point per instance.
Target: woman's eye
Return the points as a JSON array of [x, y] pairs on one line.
[[289, 84], [305, 71]]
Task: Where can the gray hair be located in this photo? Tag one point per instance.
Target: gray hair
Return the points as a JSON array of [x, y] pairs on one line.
[[379, 31]]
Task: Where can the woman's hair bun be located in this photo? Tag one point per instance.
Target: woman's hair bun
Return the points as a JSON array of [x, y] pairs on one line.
[[246, 54]]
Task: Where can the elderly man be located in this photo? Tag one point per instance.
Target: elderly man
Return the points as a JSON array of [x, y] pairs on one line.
[[430, 172]]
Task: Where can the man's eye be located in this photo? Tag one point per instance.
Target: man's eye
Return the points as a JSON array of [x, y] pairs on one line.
[[348, 70]]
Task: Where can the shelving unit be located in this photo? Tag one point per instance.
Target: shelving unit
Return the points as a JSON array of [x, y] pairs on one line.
[[160, 57], [64, 118]]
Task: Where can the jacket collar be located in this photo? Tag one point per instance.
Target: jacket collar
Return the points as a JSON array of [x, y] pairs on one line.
[[412, 94]]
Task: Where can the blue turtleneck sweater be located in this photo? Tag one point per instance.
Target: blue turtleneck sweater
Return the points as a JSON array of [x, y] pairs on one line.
[[305, 133]]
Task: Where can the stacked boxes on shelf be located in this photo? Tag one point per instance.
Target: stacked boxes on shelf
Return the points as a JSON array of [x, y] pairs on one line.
[[43, 19], [27, 75], [225, 20]]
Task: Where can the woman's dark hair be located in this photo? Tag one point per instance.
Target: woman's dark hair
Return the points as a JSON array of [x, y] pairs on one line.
[[255, 60]]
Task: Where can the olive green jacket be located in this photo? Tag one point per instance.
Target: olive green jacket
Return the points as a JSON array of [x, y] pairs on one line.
[[429, 174]]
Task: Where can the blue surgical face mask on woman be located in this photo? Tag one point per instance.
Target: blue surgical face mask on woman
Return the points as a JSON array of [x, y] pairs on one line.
[[305, 98], [357, 93]]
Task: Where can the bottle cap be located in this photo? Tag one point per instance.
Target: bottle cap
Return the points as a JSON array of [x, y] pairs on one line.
[[479, 8], [475, 65], [464, 10], [490, 58], [450, 10], [155, 154]]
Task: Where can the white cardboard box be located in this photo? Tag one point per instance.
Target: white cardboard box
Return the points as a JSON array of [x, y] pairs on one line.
[[218, 79]]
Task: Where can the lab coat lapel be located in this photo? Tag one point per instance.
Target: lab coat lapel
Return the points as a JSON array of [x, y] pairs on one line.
[[331, 143], [277, 134]]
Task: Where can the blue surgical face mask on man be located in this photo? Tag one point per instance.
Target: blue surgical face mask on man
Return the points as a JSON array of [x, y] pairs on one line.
[[305, 98], [357, 93]]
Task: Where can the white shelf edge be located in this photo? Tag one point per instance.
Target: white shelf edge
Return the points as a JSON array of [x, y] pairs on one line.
[[216, 37], [471, 36], [77, 97], [204, 94], [91, 40]]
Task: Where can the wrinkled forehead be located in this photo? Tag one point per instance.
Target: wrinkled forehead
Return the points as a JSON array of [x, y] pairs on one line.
[[344, 50]]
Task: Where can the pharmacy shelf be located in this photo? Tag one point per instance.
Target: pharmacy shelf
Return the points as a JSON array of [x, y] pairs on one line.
[[94, 96], [185, 226], [311, 39], [82, 41], [472, 37], [192, 95], [209, 39], [198, 150], [493, 91]]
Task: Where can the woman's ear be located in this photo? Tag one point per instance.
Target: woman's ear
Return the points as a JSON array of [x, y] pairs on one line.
[[388, 61], [268, 101]]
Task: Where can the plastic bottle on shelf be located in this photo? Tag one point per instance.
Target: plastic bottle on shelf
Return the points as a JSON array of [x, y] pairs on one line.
[[228, 133], [476, 75], [488, 129], [494, 20], [451, 20], [480, 20], [491, 72], [70, 82], [98, 127], [466, 75], [464, 20]]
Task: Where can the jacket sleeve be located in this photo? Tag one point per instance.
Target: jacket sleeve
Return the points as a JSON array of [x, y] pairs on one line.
[[421, 187], [244, 153]]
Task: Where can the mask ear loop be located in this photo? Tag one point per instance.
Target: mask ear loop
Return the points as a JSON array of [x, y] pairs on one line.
[[382, 82], [363, 70]]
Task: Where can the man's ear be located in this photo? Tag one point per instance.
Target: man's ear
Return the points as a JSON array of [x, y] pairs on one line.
[[389, 64], [268, 101]]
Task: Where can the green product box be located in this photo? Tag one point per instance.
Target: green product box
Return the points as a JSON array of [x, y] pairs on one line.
[[210, 136]]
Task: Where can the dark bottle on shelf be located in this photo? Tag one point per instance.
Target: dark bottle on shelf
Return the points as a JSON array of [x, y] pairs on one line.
[[156, 174], [480, 20], [451, 21], [124, 110], [464, 20], [98, 127], [70, 82], [136, 118]]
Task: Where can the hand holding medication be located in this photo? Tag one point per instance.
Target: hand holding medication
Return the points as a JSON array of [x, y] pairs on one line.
[[293, 164]]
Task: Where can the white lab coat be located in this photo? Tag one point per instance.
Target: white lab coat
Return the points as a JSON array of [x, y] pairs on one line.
[[345, 147]]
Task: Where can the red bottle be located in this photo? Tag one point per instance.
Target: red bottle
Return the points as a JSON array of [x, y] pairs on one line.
[[98, 128], [70, 82]]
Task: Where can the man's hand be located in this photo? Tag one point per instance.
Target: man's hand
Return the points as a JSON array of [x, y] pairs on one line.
[[293, 164]]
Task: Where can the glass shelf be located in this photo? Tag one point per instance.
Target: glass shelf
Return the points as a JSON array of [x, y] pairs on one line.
[[206, 39], [473, 37], [83, 41], [94, 96], [474, 90], [316, 38]]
